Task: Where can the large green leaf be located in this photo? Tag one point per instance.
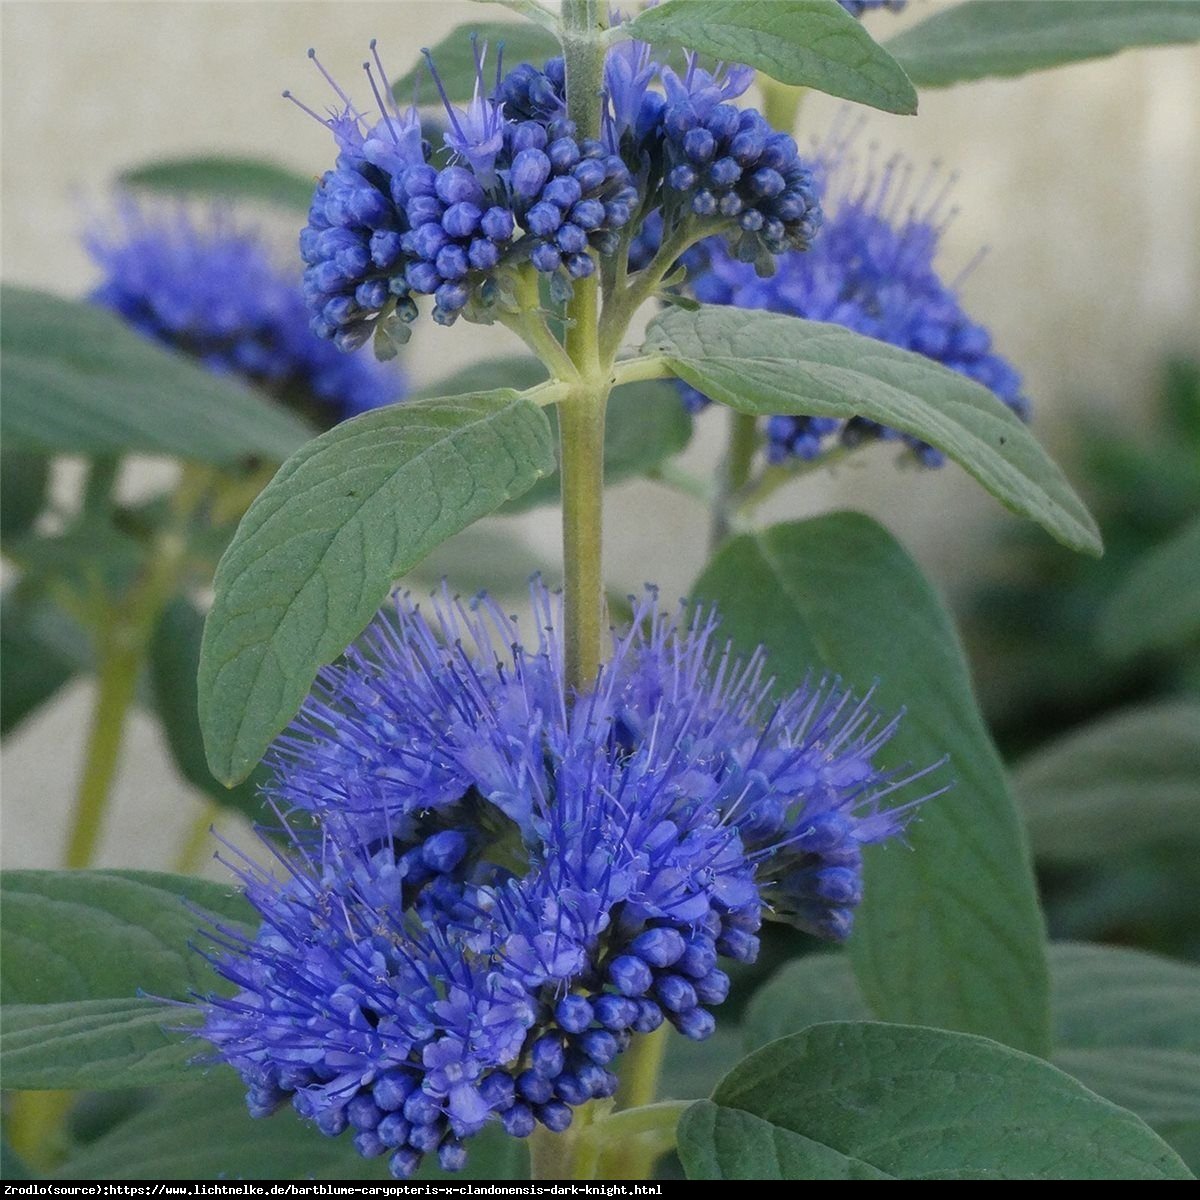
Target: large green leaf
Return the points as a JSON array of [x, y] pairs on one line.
[[81, 951], [1106, 996], [455, 61], [871, 1101], [949, 933], [77, 380], [315, 555], [763, 363], [94, 1044], [174, 661], [224, 177], [204, 1132], [998, 37], [1125, 1024], [813, 43], [646, 422], [1158, 606], [1129, 779]]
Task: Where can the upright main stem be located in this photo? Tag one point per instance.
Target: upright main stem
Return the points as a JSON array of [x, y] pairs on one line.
[[581, 415], [734, 474]]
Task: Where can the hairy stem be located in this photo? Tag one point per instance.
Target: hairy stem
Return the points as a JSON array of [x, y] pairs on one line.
[[581, 440], [581, 414]]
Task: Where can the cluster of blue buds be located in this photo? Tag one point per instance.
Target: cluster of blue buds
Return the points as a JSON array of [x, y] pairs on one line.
[[872, 270], [491, 891], [512, 184], [398, 218], [201, 284], [729, 163]]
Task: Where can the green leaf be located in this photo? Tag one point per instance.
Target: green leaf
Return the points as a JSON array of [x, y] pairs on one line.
[[1129, 779], [532, 10], [1158, 606], [812, 43], [646, 422], [871, 1101], [80, 950], [174, 661], [949, 933], [23, 482], [997, 37], [77, 380], [41, 649], [94, 1044], [455, 61], [763, 363], [1110, 997], [317, 552], [204, 1132], [1125, 1024], [225, 178]]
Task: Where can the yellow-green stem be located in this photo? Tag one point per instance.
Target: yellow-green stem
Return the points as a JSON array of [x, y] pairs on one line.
[[640, 1068], [119, 665], [195, 846], [781, 103], [121, 651], [734, 474], [581, 439]]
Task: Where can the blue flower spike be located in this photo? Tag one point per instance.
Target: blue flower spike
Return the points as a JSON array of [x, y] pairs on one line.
[[486, 893]]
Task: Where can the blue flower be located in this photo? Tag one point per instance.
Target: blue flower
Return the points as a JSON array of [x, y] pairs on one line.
[[490, 891], [512, 185], [872, 269], [203, 285]]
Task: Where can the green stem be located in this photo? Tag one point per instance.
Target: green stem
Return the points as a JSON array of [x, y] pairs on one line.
[[734, 474], [120, 663], [581, 441], [122, 650], [620, 306], [581, 413], [101, 480], [195, 848], [771, 479], [628, 1143], [530, 326], [781, 103]]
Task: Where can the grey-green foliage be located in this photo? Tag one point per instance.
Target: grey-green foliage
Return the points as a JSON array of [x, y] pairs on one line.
[[852, 1100], [949, 932], [319, 548], [763, 363], [812, 43], [78, 380], [998, 37], [1130, 779]]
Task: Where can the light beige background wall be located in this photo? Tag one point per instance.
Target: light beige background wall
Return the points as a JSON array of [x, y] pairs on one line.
[[1084, 183]]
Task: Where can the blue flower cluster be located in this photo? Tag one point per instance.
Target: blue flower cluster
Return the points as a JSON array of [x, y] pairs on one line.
[[396, 219], [512, 184], [873, 271], [490, 891], [206, 287], [702, 164]]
